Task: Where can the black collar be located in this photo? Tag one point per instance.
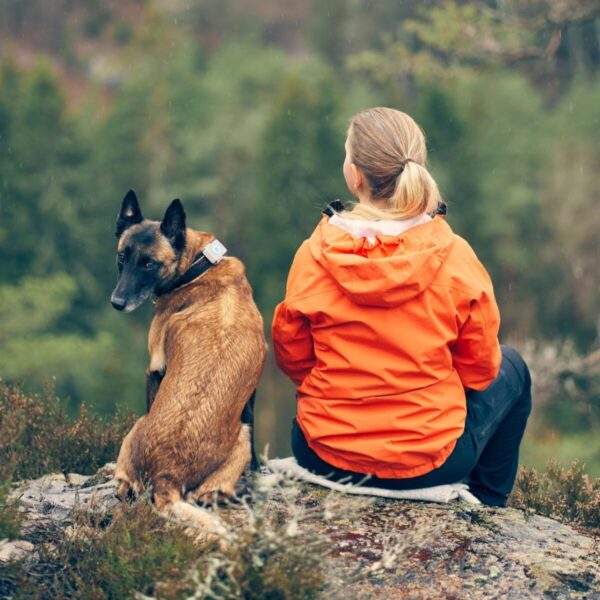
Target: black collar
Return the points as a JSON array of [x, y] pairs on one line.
[[200, 265]]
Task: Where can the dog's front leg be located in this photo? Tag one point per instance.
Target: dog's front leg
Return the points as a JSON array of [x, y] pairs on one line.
[[153, 379], [125, 471]]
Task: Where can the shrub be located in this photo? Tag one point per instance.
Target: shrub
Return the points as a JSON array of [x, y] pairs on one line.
[[274, 556], [270, 554], [565, 494], [111, 556], [9, 513], [37, 437], [10, 519]]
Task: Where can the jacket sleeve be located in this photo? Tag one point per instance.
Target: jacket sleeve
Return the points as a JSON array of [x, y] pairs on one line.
[[292, 343], [476, 353]]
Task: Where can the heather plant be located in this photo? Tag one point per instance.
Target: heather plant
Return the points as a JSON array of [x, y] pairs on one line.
[[270, 551], [37, 436], [564, 494], [275, 554], [110, 556], [10, 519]]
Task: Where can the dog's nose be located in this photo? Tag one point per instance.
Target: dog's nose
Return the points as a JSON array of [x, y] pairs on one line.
[[117, 302]]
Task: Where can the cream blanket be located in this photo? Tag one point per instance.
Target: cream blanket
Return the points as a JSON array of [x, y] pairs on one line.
[[439, 493]]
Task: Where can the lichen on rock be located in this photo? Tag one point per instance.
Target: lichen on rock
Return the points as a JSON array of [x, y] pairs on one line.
[[375, 547]]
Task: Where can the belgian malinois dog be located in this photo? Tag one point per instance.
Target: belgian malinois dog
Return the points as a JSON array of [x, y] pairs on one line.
[[207, 349]]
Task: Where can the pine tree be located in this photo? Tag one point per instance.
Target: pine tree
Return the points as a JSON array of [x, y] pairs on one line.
[[299, 170]]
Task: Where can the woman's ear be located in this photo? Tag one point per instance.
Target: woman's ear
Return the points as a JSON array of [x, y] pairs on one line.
[[357, 177]]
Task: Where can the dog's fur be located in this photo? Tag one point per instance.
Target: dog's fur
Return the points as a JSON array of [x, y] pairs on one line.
[[207, 350]]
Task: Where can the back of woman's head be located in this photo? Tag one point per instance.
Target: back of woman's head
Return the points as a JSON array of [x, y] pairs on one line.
[[389, 148]]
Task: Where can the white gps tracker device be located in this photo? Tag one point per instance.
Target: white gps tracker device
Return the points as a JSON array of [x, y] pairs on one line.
[[214, 251]]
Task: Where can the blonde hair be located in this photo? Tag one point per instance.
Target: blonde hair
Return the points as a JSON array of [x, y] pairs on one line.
[[389, 148]]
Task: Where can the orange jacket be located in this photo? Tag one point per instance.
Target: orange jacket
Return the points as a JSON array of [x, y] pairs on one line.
[[382, 337]]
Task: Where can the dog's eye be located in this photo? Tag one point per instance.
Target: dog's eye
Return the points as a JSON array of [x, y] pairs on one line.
[[149, 264], [121, 257]]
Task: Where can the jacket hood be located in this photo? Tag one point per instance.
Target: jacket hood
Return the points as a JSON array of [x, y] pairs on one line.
[[375, 268]]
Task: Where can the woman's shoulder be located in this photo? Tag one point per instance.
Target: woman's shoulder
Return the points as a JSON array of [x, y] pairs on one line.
[[463, 268]]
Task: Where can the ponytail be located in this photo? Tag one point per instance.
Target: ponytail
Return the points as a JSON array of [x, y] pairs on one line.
[[416, 192]]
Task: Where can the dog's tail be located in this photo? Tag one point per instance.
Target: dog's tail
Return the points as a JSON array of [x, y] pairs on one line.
[[205, 526]]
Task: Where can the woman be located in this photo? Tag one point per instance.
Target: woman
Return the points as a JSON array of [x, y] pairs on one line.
[[389, 327]]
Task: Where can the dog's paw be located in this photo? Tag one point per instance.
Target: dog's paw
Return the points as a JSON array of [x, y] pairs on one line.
[[212, 498], [126, 492]]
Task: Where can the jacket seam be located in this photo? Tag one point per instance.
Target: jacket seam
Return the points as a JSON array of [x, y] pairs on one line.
[[298, 297], [469, 291]]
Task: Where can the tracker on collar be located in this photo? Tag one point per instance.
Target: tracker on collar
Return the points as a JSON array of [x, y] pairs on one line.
[[442, 209], [208, 257]]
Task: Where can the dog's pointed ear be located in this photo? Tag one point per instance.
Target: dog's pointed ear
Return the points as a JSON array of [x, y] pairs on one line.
[[130, 213], [173, 225]]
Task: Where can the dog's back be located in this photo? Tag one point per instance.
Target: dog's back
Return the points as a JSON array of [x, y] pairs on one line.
[[208, 340]]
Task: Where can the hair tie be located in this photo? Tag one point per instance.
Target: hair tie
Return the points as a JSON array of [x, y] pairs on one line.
[[403, 164]]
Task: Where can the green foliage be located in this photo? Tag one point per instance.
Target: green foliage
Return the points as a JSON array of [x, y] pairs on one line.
[[38, 342], [226, 105], [38, 437], [444, 39], [575, 407], [10, 518], [38, 172], [564, 494], [299, 173], [540, 442]]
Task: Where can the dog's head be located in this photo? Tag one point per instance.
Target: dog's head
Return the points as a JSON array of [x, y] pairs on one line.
[[148, 252]]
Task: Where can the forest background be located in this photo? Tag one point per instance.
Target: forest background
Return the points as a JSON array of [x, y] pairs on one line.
[[240, 108]]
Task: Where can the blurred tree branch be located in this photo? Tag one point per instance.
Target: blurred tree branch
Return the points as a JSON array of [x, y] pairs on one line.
[[455, 36]]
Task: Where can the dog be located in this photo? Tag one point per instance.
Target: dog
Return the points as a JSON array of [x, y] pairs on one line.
[[207, 350]]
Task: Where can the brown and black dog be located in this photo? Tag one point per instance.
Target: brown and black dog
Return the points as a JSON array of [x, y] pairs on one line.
[[207, 349]]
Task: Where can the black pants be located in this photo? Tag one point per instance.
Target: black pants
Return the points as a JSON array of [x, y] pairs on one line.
[[486, 456]]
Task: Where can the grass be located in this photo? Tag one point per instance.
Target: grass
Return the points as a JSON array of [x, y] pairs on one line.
[[133, 549], [10, 518]]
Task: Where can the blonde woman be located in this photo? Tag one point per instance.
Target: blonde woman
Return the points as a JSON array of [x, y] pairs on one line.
[[389, 328]]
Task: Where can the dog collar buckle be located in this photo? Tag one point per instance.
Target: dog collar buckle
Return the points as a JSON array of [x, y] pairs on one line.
[[214, 251]]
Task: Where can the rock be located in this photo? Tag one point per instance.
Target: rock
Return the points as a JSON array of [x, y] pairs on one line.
[[14, 550], [388, 548], [53, 497]]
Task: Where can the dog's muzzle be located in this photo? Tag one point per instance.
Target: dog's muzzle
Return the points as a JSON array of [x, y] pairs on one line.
[[118, 302]]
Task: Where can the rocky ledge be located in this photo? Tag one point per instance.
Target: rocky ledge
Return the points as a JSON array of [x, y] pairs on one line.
[[377, 548]]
